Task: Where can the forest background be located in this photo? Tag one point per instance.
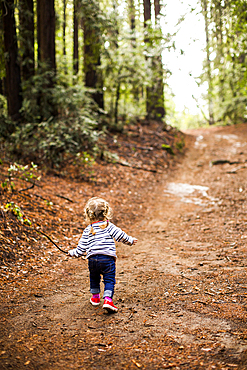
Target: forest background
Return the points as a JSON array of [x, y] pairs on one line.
[[72, 69]]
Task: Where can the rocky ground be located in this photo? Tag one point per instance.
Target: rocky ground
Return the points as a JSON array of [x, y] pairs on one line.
[[181, 291]]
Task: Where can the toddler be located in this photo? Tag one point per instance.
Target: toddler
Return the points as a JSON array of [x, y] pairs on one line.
[[97, 241]]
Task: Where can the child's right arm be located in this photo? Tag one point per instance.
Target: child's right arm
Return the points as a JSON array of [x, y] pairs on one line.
[[82, 246]]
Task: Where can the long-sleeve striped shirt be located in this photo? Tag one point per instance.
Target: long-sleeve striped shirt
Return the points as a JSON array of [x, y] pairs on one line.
[[101, 240]]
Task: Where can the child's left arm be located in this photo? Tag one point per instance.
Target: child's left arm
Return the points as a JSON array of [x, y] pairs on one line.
[[120, 236]]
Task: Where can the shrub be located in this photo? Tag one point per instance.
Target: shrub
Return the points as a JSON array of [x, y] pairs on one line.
[[75, 129]]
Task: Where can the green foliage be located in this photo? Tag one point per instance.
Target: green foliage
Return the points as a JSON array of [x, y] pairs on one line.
[[85, 162], [167, 148], [38, 98], [129, 67], [17, 171], [16, 210], [75, 128], [124, 71], [8, 185], [60, 120], [85, 159], [227, 45], [6, 125], [110, 157], [180, 144]]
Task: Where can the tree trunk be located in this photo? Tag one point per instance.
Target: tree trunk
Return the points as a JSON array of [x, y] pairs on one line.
[[26, 36], [64, 35], [13, 73], [147, 18], [46, 32], [117, 96], [156, 9], [218, 63], [75, 40], [132, 18], [92, 49], [38, 27], [158, 98], [47, 57], [2, 62], [208, 63], [132, 11], [154, 93]]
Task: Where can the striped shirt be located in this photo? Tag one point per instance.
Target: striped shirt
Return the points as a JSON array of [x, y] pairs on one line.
[[102, 242]]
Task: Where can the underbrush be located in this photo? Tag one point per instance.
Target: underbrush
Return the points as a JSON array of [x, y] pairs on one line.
[[42, 137]]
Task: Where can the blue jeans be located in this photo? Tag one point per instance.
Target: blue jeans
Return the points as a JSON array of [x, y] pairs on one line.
[[98, 265]]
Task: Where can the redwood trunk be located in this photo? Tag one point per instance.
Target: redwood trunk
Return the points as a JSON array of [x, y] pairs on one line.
[[92, 50], [64, 35], [26, 29], [132, 11], [75, 40], [208, 65], [132, 15], [13, 73], [46, 55], [46, 33], [158, 93], [147, 17]]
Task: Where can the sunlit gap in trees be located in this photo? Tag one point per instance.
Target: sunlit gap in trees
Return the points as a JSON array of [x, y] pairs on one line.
[[185, 62]]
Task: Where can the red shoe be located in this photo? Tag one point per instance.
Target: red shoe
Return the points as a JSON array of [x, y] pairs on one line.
[[95, 301], [109, 306]]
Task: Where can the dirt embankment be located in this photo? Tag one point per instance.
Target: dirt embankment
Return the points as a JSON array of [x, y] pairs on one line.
[[181, 291]]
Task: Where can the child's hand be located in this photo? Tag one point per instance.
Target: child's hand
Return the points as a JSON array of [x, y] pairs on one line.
[[135, 241], [71, 253]]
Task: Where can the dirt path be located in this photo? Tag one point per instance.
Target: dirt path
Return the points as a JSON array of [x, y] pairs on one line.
[[181, 291]]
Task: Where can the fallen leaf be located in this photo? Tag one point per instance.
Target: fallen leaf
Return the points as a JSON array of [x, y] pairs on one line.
[[136, 363]]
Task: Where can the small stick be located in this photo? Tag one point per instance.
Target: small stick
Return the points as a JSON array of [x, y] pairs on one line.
[[61, 196], [28, 188], [47, 236]]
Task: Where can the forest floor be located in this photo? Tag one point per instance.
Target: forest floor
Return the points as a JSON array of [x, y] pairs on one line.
[[181, 291]]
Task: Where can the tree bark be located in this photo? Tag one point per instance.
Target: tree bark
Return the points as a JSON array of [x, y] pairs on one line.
[[147, 18], [75, 40], [154, 93], [26, 36], [208, 63], [132, 12], [2, 62], [158, 109], [92, 50], [13, 73], [157, 9], [117, 96], [132, 17], [47, 56], [46, 32], [64, 35]]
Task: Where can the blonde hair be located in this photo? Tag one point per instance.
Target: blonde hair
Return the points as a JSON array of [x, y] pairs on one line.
[[97, 209]]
